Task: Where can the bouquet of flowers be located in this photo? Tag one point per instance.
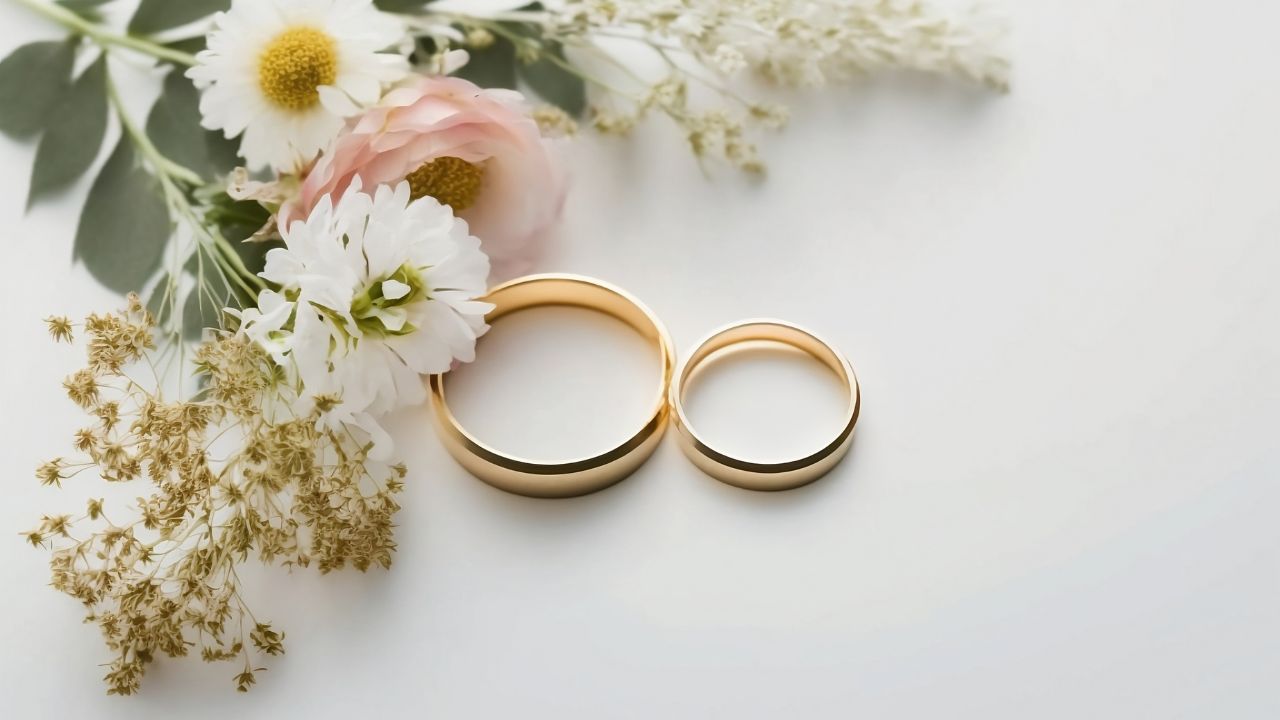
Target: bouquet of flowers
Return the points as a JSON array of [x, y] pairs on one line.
[[304, 224]]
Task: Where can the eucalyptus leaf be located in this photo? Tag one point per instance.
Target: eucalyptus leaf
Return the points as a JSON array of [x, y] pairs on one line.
[[553, 83], [33, 79], [156, 15], [124, 225], [174, 127], [74, 134]]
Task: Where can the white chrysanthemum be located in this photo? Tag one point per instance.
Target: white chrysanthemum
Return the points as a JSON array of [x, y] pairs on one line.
[[374, 292], [286, 73]]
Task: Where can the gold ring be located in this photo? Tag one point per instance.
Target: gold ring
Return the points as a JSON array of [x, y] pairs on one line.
[[788, 474], [574, 477]]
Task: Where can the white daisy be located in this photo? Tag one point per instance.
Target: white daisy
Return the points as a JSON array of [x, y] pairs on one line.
[[285, 73], [374, 292]]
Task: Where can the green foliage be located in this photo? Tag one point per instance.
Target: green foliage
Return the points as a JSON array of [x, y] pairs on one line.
[[174, 127], [539, 63], [124, 225], [33, 79], [493, 66], [552, 82], [74, 134], [160, 302], [190, 46], [154, 16], [237, 220], [206, 300], [87, 9], [401, 6], [216, 290], [234, 220]]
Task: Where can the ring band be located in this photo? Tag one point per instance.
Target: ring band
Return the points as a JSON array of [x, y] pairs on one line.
[[574, 477], [783, 475]]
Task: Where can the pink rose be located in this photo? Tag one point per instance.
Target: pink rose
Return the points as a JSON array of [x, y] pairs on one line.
[[473, 149]]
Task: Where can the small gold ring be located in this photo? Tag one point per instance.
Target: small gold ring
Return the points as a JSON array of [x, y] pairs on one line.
[[574, 477], [788, 474]]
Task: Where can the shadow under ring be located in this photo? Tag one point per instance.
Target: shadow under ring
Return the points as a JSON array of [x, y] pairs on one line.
[[575, 477]]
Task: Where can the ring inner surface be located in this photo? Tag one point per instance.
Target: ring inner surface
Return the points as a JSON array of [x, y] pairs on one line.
[[774, 337]]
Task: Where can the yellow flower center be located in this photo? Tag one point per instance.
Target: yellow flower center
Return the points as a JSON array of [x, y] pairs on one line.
[[453, 181], [296, 63]]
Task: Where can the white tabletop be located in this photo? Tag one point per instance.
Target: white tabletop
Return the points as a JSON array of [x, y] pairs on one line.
[[1063, 305]]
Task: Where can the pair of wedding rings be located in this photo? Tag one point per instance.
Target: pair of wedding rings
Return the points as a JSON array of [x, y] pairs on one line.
[[587, 475]]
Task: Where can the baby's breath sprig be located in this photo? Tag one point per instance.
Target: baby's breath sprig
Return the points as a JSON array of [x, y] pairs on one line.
[[233, 471], [706, 44]]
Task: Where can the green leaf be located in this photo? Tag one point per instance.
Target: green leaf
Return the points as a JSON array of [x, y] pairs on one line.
[[33, 79], [237, 220], [87, 9], [254, 254], [190, 46], [74, 135], [124, 225], [400, 6], [553, 83], [174, 127], [156, 15], [499, 65], [492, 67]]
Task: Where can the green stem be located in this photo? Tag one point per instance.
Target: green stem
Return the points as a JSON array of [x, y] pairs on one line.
[[104, 36], [165, 168], [233, 259], [166, 171]]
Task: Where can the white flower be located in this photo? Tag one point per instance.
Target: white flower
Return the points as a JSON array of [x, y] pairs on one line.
[[285, 73], [374, 292]]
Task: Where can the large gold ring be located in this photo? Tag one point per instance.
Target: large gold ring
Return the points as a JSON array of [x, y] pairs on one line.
[[573, 477], [785, 475]]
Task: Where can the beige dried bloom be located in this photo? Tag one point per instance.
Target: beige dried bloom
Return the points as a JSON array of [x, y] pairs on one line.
[[232, 473], [610, 122], [554, 122], [59, 328], [50, 473], [82, 387]]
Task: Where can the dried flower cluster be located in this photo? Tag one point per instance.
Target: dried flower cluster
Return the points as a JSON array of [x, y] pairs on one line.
[[233, 472], [805, 43], [405, 168]]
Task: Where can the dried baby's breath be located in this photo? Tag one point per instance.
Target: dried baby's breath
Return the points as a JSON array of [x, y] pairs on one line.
[[707, 45], [554, 122], [59, 327], [233, 472]]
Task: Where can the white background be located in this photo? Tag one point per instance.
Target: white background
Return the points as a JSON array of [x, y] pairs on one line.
[[1061, 502]]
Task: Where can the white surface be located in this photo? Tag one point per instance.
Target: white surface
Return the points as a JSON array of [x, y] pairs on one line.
[[1061, 503]]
